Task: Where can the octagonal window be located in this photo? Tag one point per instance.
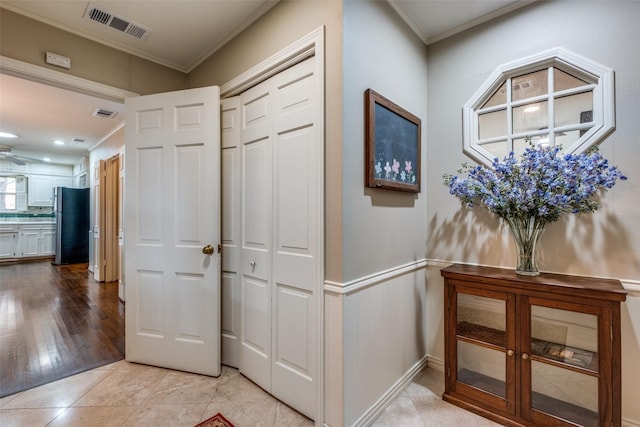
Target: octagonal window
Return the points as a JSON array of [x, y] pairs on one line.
[[553, 98]]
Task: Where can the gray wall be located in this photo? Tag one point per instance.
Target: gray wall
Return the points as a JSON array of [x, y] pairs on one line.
[[384, 323], [604, 244], [381, 228]]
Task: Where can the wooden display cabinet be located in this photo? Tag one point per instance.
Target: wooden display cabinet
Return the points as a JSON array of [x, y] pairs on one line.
[[533, 351]]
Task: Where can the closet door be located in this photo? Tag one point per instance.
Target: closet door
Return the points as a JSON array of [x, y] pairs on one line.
[[231, 162], [281, 211], [255, 254], [296, 190]]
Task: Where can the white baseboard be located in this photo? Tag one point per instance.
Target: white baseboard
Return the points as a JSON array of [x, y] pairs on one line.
[[381, 404], [435, 363], [626, 422]]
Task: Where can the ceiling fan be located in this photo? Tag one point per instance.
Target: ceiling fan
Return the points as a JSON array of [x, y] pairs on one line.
[[5, 153]]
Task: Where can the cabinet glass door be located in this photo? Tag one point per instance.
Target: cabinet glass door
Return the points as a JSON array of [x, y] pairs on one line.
[[564, 364], [481, 343]]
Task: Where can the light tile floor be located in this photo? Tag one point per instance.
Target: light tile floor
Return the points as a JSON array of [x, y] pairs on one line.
[[128, 394], [420, 405]]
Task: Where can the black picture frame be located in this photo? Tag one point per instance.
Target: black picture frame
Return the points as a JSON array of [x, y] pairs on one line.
[[392, 145]]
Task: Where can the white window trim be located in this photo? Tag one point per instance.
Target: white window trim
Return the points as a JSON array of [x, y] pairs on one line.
[[20, 194], [577, 65]]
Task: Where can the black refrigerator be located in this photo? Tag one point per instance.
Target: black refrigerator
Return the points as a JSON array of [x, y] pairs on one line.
[[72, 225]]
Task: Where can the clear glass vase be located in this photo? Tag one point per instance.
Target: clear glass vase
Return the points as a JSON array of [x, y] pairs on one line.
[[526, 233]]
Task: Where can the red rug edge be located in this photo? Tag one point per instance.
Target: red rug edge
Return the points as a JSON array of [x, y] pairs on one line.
[[216, 417]]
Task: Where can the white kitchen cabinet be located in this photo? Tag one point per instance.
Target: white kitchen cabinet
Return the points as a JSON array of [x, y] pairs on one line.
[[8, 241], [48, 240], [40, 191], [35, 240], [41, 188], [24, 240], [30, 236], [7, 166]]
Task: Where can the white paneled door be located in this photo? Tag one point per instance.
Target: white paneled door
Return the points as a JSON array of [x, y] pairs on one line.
[[172, 230], [231, 176], [279, 260]]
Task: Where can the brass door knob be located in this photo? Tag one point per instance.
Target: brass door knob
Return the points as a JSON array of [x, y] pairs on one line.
[[525, 356], [207, 250], [509, 352]]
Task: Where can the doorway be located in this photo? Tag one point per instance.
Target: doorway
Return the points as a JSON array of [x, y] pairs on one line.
[[310, 45], [86, 335], [109, 219]]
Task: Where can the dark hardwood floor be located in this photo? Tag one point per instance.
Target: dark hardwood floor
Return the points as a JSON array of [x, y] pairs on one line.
[[55, 321]]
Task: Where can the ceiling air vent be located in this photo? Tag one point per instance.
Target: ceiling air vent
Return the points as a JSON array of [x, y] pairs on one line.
[[105, 114], [104, 17], [78, 140]]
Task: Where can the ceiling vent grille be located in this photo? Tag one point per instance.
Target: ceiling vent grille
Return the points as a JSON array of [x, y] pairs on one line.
[[105, 114], [78, 140], [104, 17]]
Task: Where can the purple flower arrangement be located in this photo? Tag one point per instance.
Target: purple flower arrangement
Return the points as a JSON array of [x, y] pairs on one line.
[[534, 191], [542, 185]]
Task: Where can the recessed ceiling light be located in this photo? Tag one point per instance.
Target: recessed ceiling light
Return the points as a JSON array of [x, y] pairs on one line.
[[7, 135], [58, 142], [46, 159]]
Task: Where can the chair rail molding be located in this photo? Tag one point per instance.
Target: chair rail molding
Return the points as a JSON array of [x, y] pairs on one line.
[[346, 288]]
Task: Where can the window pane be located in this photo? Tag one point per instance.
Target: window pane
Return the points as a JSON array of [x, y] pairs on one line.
[[554, 391], [476, 313], [492, 125], [7, 193], [482, 318], [562, 81], [7, 202], [7, 184], [570, 330], [529, 85], [520, 144], [497, 149], [482, 368], [568, 109], [530, 117], [498, 98], [566, 139]]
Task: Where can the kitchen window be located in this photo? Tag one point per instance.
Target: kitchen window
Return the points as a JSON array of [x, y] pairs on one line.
[[13, 196]]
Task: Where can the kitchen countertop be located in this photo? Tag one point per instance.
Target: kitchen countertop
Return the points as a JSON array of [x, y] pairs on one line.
[[24, 221]]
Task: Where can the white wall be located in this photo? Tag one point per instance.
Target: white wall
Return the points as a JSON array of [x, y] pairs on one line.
[[383, 303], [605, 244]]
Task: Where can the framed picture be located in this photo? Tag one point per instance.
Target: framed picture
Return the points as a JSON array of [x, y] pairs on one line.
[[392, 139]]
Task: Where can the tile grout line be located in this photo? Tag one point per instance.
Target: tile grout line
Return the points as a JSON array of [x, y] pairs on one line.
[[71, 405]]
